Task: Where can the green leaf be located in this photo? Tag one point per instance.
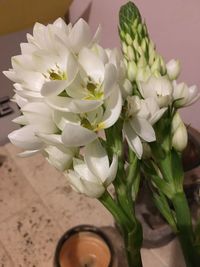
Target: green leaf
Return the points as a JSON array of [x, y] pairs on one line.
[[163, 186], [163, 206]]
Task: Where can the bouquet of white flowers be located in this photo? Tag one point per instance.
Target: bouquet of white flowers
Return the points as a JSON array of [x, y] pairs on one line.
[[103, 117]]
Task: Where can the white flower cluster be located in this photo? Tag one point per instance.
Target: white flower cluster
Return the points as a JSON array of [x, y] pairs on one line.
[[70, 89], [156, 85], [67, 87]]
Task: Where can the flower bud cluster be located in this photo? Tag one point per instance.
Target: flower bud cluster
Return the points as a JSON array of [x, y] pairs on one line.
[[140, 56]]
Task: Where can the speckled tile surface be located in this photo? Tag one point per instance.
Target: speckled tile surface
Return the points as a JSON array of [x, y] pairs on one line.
[[31, 236], [5, 259], [37, 207], [41, 175], [72, 209], [15, 191]]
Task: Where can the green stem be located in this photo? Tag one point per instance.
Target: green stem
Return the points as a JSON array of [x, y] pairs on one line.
[[185, 230], [119, 215], [132, 231], [133, 243]]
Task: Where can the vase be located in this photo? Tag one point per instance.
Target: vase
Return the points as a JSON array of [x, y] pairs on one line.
[[156, 231]]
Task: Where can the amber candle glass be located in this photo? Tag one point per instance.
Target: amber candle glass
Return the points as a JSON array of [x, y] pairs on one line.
[[84, 246]]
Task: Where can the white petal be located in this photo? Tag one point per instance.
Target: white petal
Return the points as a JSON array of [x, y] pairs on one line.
[[11, 75], [28, 153], [21, 120], [51, 139], [67, 104], [113, 108], [109, 79], [61, 118], [25, 138], [97, 160], [80, 35], [53, 87], [143, 128], [93, 190], [157, 115], [59, 159], [88, 188], [40, 115], [27, 48], [92, 65], [76, 135], [21, 101], [75, 181], [83, 171], [96, 36], [112, 171], [194, 95], [133, 140]]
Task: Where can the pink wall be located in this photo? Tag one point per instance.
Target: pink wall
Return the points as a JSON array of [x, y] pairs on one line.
[[174, 26]]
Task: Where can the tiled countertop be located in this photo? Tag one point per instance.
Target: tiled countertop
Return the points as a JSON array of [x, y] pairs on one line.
[[37, 207]]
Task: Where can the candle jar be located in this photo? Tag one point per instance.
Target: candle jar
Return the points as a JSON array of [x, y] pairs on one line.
[[85, 246]]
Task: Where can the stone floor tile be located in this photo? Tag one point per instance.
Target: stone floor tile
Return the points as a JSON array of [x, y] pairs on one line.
[[31, 236], [71, 208], [5, 259], [171, 254], [42, 176], [15, 191], [149, 259]]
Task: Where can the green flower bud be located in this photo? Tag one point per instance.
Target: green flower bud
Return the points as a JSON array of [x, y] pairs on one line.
[[127, 89], [156, 65], [132, 71], [128, 39], [179, 133], [142, 62], [124, 47], [130, 53]]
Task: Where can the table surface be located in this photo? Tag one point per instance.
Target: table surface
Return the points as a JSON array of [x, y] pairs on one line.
[[37, 207]]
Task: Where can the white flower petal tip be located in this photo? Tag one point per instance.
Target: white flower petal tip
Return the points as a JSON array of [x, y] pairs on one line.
[[133, 140], [75, 135], [185, 96], [60, 159], [93, 175], [113, 108], [173, 69], [25, 138], [67, 104], [159, 88]]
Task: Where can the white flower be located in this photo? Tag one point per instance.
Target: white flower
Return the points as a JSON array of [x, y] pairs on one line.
[[85, 127], [184, 95], [140, 116], [94, 174], [57, 36], [179, 133], [36, 118], [173, 69], [67, 87], [160, 88], [94, 82], [60, 158]]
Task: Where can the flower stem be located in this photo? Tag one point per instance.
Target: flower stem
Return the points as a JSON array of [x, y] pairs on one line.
[[131, 230], [185, 231]]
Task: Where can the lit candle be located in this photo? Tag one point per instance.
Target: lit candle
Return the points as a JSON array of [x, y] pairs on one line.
[[84, 248]]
